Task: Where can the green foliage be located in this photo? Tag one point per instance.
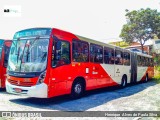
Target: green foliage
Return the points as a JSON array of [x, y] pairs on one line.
[[157, 76], [121, 44], [157, 61], [141, 26], [157, 68]]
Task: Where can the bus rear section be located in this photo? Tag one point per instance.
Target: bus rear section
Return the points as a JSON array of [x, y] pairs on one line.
[[4, 54], [145, 67], [48, 62]]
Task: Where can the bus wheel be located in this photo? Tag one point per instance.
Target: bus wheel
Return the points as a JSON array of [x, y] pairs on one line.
[[77, 89], [146, 79], [124, 82]]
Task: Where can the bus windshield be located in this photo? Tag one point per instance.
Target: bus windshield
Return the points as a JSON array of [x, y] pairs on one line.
[[29, 55], [0, 51], [1, 45]]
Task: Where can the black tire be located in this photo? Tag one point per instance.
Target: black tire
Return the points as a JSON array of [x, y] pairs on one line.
[[146, 79], [78, 89], [124, 82]]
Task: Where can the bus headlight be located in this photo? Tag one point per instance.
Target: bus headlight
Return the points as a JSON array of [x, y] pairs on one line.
[[42, 77]]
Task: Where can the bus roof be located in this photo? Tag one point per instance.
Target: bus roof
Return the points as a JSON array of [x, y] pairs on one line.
[[47, 31], [144, 55]]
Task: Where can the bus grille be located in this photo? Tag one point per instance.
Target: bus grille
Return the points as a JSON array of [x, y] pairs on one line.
[[20, 83]]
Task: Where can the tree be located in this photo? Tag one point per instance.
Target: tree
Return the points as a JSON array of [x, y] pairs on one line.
[[141, 26]]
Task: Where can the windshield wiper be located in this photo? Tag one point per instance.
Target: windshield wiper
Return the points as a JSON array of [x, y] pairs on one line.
[[18, 54]]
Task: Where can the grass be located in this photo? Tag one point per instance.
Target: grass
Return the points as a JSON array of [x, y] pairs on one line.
[[156, 78]]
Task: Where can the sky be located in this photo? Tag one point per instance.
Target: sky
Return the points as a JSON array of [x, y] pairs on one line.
[[101, 20]]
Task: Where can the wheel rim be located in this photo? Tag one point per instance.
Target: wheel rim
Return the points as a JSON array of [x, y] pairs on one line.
[[146, 78], [124, 82], [78, 88]]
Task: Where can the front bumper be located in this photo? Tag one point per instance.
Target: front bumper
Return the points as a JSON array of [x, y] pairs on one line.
[[38, 91]]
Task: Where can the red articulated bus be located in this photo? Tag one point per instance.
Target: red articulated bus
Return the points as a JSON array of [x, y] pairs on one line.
[[48, 62], [4, 53]]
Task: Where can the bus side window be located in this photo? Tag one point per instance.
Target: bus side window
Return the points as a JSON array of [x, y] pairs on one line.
[[126, 59], [118, 57], [80, 51], [96, 53], [62, 53], [108, 55], [139, 60], [6, 55], [143, 61], [152, 62], [146, 61]]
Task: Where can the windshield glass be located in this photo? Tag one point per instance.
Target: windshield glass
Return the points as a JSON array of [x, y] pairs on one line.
[[28, 55], [0, 51], [1, 45]]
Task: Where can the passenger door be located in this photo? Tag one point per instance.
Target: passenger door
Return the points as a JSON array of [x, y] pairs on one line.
[[133, 67], [59, 73]]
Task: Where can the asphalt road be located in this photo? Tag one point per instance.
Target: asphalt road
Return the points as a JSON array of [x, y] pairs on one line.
[[139, 97]]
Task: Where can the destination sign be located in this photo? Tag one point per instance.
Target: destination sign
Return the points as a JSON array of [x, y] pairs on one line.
[[32, 32]]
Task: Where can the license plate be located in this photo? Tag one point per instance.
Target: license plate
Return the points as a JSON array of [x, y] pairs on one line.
[[18, 90]]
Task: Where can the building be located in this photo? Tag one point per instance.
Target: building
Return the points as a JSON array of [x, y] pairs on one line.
[[135, 46]]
